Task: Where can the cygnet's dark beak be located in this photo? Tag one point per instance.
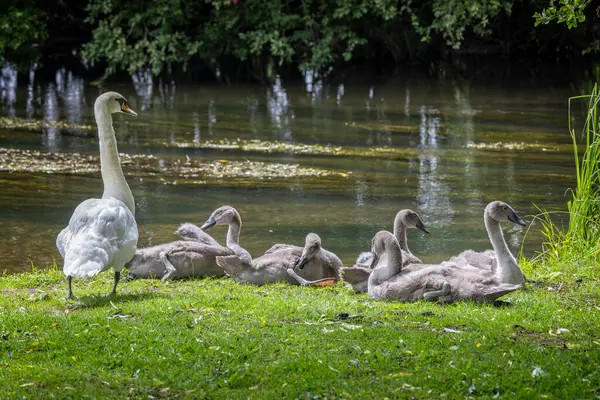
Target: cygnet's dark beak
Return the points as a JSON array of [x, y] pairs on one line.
[[513, 217], [421, 226], [302, 262], [209, 222], [374, 261]]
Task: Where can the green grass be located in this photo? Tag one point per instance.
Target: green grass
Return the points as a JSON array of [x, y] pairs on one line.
[[214, 338]]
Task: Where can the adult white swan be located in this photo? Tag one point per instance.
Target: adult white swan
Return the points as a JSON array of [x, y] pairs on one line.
[[102, 233]]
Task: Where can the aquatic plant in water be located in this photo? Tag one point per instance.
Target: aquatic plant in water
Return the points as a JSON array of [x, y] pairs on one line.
[[168, 169], [33, 125]]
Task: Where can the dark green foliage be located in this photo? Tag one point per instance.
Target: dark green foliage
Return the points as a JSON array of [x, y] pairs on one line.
[[259, 38], [22, 28], [134, 35], [571, 12]]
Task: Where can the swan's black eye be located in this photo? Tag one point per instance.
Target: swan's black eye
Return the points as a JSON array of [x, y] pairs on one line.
[[121, 101]]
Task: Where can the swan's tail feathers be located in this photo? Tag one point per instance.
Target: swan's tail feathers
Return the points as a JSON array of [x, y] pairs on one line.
[[62, 241], [232, 264], [355, 274], [87, 269], [495, 293], [85, 260]]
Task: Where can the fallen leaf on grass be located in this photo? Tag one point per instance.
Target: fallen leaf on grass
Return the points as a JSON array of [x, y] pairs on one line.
[[120, 316], [450, 330], [559, 331], [195, 309], [537, 371], [401, 374], [350, 326], [411, 388], [472, 388]]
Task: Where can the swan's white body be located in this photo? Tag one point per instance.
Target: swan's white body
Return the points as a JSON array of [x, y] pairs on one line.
[[102, 233]]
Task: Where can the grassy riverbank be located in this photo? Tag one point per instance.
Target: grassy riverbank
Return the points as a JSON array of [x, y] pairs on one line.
[[219, 339]]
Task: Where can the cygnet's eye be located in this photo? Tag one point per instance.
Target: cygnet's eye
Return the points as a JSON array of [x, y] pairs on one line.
[[504, 208]]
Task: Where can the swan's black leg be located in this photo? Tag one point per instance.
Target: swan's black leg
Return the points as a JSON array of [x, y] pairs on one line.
[[117, 277], [70, 295]]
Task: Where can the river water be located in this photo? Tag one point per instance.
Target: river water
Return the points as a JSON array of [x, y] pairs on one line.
[[336, 159]]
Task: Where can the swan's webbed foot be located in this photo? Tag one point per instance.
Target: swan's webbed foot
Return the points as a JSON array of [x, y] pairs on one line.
[[304, 282], [169, 268], [443, 295]]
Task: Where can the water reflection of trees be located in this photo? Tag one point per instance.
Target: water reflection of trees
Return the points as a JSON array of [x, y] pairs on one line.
[[70, 89], [280, 110], [433, 192], [144, 87], [8, 89]]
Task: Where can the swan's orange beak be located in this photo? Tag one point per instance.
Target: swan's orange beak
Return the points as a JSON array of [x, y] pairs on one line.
[[125, 108]]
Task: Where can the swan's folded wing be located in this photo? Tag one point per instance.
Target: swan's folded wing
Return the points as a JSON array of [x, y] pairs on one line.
[[355, 274], [277, 247], [62, 240], [201, 248], [103, 234], [233, 264], [484, 260]]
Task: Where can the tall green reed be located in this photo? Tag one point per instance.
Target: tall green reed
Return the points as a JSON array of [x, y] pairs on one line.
[[575, 251]]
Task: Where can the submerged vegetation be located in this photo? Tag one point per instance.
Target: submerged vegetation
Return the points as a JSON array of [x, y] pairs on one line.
[[169, 170]]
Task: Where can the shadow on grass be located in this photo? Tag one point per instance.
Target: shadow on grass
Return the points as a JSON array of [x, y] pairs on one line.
[[92, 301]]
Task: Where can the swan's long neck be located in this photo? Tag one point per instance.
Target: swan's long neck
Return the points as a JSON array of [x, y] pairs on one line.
[[400, 234], [507, 270], [233, 233], [392, 267], [115, 184]]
